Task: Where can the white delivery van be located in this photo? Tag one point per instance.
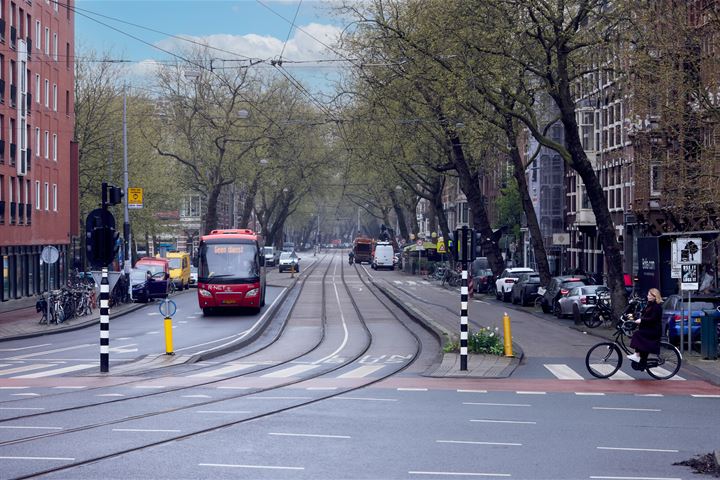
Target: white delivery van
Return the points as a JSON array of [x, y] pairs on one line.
[[384, 256]]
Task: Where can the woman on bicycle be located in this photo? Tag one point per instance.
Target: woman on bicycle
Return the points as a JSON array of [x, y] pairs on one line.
[[646, 339]]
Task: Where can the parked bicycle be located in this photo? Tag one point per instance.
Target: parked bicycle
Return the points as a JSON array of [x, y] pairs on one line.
[[603, 313], [605, 359], [65, 304]]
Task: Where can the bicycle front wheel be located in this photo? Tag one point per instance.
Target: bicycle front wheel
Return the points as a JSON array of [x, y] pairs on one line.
[[593, 319], [603, 360], [666, 364]]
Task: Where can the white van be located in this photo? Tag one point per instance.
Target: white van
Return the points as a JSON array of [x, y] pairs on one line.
[[270, 257], [384, 256]]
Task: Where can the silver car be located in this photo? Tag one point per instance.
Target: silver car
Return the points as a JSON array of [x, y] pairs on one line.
[[580, 300]]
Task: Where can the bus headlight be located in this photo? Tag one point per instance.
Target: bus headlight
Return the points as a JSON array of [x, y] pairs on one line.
[[204, 293], [252, 293]]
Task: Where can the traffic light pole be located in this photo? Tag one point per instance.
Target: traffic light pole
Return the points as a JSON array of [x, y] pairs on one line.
[[104, 322], [127, 260]]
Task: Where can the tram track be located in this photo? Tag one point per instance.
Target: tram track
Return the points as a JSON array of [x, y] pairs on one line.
[[316, 375]]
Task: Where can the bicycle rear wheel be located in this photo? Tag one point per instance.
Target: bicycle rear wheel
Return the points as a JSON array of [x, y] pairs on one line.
[[603, 360], [593, 319], [666, 364]]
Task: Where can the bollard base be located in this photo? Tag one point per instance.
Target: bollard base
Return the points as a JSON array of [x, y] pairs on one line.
[[169, 353]]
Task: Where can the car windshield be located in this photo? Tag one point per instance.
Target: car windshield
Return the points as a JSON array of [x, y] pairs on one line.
[[138, 275], [228, 260], [152, 267], [175, 262], [268, 250], [569, 285], [285, 255], [533, 279], [695, 306], [595, 289]]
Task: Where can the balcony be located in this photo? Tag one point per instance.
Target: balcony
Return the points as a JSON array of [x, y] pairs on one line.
[[2, 211], [585, 217], [21, 213], [13, 206], [28, 213], [13, 151], [13, 37]]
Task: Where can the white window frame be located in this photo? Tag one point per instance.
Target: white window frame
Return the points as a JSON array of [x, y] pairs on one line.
[[37, 141], [37, 195], [47, 41], [47, 144], [54, 97], [38, 35], [47, 93], [55, 42], [54, 197], [47, 197], [37, 88], [54, 146]]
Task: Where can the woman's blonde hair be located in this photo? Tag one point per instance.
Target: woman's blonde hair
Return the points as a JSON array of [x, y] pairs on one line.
[[656, 295]]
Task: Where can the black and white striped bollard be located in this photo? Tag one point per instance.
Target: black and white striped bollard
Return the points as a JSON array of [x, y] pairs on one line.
[[104, 322], [464, 318]]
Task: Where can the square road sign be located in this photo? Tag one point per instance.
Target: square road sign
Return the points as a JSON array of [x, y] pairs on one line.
[[135, 198]]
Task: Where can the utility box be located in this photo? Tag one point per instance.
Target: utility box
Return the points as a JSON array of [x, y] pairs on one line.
[[709, 335]]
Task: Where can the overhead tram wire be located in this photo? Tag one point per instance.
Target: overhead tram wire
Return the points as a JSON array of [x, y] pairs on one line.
[[292, 25]]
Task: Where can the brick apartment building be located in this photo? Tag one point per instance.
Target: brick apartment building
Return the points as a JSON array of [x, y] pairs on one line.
[[38, 159]]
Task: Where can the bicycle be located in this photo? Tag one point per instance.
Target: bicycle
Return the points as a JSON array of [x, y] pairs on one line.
[[604, 359], [603, 314]]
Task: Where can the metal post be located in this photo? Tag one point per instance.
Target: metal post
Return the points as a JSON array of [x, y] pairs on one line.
[[464, 318], [127, 258], [690, 322], [104, 322]]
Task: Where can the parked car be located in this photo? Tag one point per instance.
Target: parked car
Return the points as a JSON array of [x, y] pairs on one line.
[[193, 276], [525, 289], [483, 280], [675, 316], [288, 261], [147, 285], [179, 269], [580, 300], [504, 283], [558, 287], [270, 256]]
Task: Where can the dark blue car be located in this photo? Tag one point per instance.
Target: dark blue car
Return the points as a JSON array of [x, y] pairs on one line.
[[675, 317], [147, 286]]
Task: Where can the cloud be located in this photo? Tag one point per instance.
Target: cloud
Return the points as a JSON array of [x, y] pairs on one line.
[[308, 42]]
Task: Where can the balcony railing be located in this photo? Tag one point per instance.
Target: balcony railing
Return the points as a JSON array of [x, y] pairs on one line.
[[2, 211], [28, 213], [21, 213], [13, 206]]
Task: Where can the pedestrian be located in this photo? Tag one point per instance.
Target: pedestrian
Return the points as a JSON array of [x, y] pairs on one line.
[[646, 339]]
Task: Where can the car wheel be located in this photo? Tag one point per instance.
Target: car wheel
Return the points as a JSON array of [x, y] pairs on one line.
[[513, 299], [506, 296], [557, 310], [523, 301], [207, 311], [576, 315], [544, 307], [498, 296]]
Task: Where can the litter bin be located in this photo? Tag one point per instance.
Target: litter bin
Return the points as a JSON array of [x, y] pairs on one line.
[[709, 334]]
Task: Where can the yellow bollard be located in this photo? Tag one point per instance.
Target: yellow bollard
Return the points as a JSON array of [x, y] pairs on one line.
[[292, 270], [507, 335], [168, 337]]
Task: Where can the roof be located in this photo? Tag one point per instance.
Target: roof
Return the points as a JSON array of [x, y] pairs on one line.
[[232, 234]]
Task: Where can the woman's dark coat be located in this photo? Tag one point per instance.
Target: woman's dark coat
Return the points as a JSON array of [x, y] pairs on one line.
[[647, 337]]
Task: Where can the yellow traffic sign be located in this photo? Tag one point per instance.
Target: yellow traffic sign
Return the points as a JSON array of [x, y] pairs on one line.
[[441, 245], [135, 198]]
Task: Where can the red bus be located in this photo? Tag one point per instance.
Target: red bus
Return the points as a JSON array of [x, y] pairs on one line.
[[231, 270]]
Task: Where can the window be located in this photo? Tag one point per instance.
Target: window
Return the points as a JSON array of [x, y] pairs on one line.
[[655, 180], [37, 141], [54, 97], [67, 50], [55, 42], [47, 144], [37, 194], [54, 147], [47, 41], [47, 93], [37, 87], [38, 35], [54, 197], [47, 196]]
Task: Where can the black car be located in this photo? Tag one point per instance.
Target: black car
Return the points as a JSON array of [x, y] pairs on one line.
[[558, 287], [146, 285], [525, 289]]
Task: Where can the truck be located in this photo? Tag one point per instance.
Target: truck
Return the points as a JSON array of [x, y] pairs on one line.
[[363, 249]]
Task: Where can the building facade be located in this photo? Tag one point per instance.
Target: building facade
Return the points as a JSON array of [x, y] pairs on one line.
[[38, 159]]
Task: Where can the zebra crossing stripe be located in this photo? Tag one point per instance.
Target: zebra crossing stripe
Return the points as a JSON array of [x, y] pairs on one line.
[[26, 368], [289, 372], [224, 370], [563, 372], [58, 371], [361, 372]]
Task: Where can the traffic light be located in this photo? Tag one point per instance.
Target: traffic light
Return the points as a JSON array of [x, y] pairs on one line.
[[101, 239], [116, 195]]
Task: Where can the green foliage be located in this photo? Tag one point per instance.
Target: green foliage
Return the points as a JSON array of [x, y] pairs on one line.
[[509, 207], [485, 340]]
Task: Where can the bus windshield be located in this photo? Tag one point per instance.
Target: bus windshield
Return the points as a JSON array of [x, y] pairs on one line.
[[229, 261]]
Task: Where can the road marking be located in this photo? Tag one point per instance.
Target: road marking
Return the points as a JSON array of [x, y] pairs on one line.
[[149, 386], [224, 370], [525, 392], [71, 387], [39, 354], [234, 388], [628, 409], [195, 396], [367, 399], [58, 371], [18, 427], [706, 396], [398, 282], [21, 408], [223, 411], [26, 368], [38, 458], [152, 333], [152, 314], [410, 282], [664, 372], [266, 467], [144, 430], [651, 395], [499, 404], [480, 443], [460, 474], [312, 435], [360, 372], [24, 348], [472, 391], [13, 388], [639, 449], [279, 398], [290, 371], [562, 371], [504, 421], [635, 478], [110, 395], [401, 389], [321, 388], [599, 394], [24, 394]]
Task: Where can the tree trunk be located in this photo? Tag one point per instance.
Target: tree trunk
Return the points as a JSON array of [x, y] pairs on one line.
[[400, 213], [211, 217], [249, 203], [536, 238]]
